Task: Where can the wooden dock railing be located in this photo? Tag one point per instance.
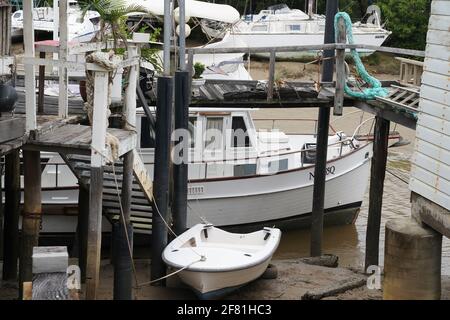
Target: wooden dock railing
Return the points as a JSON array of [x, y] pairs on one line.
[[340, 47]]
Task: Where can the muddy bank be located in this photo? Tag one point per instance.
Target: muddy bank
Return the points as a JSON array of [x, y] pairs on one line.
[[296, 281]]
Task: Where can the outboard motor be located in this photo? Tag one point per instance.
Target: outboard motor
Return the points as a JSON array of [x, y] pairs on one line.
[[8, 98]]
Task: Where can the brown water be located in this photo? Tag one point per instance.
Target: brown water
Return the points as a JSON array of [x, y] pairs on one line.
[[348, 242]]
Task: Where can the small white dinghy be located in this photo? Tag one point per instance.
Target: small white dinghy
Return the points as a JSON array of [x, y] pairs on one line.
[[215, 262]]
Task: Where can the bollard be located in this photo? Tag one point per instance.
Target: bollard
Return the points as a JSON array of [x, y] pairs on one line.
[[412, 261]]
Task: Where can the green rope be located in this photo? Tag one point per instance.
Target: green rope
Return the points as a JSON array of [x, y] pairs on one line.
[[375, 86]]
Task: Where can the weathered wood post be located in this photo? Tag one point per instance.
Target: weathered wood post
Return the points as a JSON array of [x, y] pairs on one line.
[[161, 177], [32, 213], [11, 215], [271, 81], [41, 85], [181, 152], [322, 139], [377, 174], [63, 100], [189, 68], [30, 85], [5, 28], [83, 229], [340, 70], [99, 125], [123, 230]]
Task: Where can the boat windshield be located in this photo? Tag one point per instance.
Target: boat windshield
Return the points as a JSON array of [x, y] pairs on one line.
[[279, 8]]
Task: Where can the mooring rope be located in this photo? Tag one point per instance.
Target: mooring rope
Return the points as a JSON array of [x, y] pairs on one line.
[[130, 250], [376, 88]]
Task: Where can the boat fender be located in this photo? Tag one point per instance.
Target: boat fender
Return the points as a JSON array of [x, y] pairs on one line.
[[205, 232], [267, 235]]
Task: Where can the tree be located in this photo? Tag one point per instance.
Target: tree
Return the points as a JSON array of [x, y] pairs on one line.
[[113, 15], [408, 21]]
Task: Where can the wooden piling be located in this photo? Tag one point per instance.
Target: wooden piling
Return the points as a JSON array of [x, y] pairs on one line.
[[271, 82], [94, 233], [180, 168], [41, 85], [322, 140], [99, 126], [32, 214], [340, 71], [83, 227], [161, 177], [377, 174], [123, 237], [11, 215]]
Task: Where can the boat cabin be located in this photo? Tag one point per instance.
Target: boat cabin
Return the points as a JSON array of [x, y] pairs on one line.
[[226, 143]]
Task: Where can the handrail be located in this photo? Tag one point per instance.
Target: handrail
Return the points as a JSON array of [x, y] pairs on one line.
[[328, 46], [293, 119]]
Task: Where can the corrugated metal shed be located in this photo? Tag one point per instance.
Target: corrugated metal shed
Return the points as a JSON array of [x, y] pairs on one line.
[[430, 172]]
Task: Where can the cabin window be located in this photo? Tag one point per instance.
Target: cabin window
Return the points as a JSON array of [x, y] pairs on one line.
[[191, 127], [214, 133], [240, 134], [279, 165], [309, 153], [147, 134], [241, 170], [293, 27], [259, 28]]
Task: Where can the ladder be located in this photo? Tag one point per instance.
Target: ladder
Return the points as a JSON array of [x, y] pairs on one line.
[[406, 98], [141, 203]]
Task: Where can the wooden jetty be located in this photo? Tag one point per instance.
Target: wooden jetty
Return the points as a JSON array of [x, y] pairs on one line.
[[64, 134], [96, 164]]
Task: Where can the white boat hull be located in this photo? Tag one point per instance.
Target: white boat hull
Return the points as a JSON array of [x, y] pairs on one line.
[[214, 285], [258, 40], [214, 262], [283, 199]]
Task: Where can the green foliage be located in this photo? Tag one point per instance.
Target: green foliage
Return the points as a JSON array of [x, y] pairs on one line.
[[199, 69], [149, 54], [408, 21], [113, 16]]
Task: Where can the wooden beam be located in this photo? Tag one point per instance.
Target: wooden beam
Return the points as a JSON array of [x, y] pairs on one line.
[[83, 229], [41, 85], [63, 100], [11, 215], [94, 233], [271, 82], [32, 210], [340, 71], [30, 90], [123, 230], [318, 202], [99, 125], [377, 174], [379, 109], [328, 46]]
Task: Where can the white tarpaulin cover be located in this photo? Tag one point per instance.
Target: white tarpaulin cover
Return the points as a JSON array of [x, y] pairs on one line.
[[198, 9]]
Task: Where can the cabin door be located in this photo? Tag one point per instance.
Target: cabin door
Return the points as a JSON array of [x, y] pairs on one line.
[[214, 145]]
